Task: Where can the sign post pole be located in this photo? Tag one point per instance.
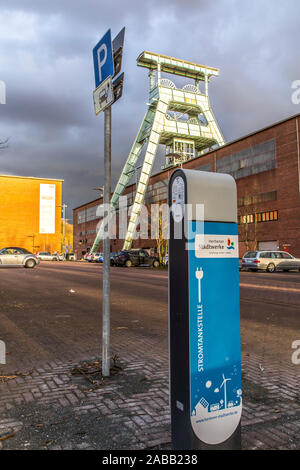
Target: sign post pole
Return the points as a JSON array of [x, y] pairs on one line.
[[106, 253], [107, 57]]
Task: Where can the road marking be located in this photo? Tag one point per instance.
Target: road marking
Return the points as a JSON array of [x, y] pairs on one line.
[[277, 288]]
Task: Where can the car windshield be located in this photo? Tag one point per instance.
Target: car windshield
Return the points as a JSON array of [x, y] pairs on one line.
[[250, 254]]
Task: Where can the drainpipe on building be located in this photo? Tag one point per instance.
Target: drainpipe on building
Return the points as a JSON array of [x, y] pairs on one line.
[[298, 152]]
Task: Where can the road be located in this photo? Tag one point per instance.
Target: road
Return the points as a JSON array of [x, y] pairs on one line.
[[50, 320], [55, 310]]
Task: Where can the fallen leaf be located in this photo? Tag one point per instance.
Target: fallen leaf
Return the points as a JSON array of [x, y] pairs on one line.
[[8, 436], [8, 377]]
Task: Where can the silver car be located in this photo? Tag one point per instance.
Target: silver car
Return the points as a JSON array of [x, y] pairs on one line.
[[14, 256], [46, 256], [270, 261]]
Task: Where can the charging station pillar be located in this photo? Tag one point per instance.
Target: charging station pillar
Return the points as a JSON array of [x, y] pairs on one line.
[[204, 312]]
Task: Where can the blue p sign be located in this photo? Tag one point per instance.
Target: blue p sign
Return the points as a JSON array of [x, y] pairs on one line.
[[103, 59]]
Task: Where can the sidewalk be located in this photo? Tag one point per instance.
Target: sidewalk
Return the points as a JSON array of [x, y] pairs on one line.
[[56, 408]]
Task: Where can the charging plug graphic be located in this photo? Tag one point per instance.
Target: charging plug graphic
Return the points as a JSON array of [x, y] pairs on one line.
[[199, 276]]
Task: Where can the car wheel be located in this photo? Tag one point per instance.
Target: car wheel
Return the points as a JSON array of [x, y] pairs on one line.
[[155, 264], [128, 263], [30, 263], [271, 268]]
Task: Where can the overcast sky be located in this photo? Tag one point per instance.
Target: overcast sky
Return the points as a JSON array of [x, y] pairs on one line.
[[46, 63]]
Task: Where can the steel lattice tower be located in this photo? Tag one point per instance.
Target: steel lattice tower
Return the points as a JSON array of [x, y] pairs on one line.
[[181, 119]]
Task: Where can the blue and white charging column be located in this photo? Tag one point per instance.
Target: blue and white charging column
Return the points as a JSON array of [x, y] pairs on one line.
[[204, 312]]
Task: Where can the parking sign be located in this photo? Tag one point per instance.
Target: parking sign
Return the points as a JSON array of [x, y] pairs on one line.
[[103, 95], [103, 59]]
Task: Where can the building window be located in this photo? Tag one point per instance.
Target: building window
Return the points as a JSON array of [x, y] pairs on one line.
[[257, 198], [269, 216], [87, 215], [251, 161]]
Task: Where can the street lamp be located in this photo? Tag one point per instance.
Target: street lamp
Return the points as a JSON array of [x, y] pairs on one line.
[[63, 207], [100, 188]]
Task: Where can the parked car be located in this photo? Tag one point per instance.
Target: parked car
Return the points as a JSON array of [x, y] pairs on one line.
[[71, 257], [165, 260], [135, 258], [97, 258], [112, 260], [15, 256], [270, 261], [59, 256], [88, 257], [46, 256]]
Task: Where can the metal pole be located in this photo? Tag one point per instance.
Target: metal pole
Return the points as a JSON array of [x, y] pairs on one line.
[[64, 228], [106, 251]]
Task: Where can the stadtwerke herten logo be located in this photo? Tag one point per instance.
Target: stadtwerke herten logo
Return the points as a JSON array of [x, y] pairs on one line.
[[230, 244]]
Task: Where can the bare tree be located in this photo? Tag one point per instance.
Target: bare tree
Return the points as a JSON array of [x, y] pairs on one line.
[[248, 219], [159, 219]]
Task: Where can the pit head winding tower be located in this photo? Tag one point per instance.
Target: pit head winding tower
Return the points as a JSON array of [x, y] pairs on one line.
[[179, 118]]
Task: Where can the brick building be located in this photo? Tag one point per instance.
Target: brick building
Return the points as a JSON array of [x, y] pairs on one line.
[[265, 165], [30, 213]]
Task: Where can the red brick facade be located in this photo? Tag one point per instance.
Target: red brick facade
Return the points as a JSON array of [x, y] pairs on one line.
[[268, 185]]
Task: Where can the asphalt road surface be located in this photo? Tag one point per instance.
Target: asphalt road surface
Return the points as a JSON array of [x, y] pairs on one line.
[[54, 311]]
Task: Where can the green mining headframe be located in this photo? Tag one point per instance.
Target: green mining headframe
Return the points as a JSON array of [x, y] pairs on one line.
[[179, 118]]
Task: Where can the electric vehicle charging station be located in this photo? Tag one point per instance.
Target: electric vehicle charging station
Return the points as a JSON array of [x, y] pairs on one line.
[[204, 312]]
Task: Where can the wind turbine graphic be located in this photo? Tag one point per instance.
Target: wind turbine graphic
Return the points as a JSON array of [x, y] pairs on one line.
[[224, 384]]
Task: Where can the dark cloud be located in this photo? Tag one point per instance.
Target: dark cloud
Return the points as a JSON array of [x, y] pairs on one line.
[[46, 62]]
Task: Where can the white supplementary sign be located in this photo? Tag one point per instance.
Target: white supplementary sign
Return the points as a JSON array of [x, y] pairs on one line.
[[2, 92], [216, 246], [103, 96], [47, 208]]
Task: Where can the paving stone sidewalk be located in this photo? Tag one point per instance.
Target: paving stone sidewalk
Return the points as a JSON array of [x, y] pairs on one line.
[[52, 408]]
